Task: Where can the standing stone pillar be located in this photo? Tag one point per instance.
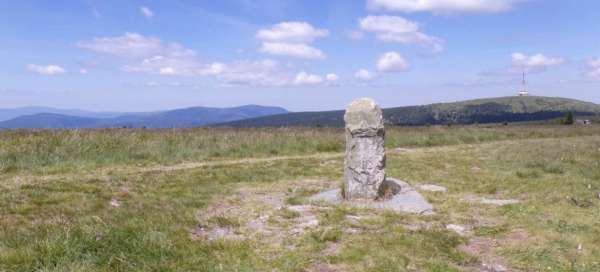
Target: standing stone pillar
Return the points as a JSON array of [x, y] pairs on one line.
[[364, 166]]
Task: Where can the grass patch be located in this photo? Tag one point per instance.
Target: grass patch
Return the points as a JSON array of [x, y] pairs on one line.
[[288, 214], [66, 222], [224, 222]]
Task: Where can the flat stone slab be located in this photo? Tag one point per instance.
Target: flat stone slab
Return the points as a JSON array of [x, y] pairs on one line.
[[491, 201], [459, 229], [431, 188], [407, 200], [499, 202]]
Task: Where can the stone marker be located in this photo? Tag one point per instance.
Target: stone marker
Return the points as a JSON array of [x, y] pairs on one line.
[[364, 166]]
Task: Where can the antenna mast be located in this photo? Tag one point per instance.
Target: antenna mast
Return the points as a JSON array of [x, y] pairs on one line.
[[524, 91]]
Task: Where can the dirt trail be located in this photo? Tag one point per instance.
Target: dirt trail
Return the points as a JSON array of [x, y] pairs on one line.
[[193, 165], [105, 173]]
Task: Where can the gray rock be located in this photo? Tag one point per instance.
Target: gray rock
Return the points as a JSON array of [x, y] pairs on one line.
[[499, 202], [459, 229], [364, 166], [432, 188], [406, 200], [490, 201]]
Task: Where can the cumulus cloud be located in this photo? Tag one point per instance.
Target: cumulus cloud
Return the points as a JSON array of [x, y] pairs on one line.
[[151, 54], [304, 78], [443, 6], [146, 12], [292, 39], [293, 32], [253, 73], [134, 45], [165, 65], [266, 73], [297, 50], [46, 70], [215, 68], [533, 63], [400, 30], [391, 62], [332, 77], [364, 74], [593, 70]]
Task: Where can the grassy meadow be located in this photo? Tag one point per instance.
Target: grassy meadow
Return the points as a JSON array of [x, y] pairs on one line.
[[146, 200]]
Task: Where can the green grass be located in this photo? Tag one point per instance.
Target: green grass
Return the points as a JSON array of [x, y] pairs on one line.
[[59, 151], [65, 221]]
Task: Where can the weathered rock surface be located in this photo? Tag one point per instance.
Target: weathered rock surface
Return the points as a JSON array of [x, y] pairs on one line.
[[406, 200], [490, 201], [364, 166], [432, 188]]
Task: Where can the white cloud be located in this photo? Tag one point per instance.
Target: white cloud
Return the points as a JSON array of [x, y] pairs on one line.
[[391, 62], [364, 74], [83, 71], [332, 77], [215, 68], [304, 78], [47, 70], [593, 68], [165, 65], [151, 54], [293, 50], [443, 6], [253, 73], [292, 32], [292, 39], [134, 45], [400, 30], [533, 63], [265, 73], [147, 12]]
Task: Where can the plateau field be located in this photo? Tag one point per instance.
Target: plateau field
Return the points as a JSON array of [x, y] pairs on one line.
[[222, 199]]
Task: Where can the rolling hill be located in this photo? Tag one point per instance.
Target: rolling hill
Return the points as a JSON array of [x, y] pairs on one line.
[[7, 114], [179, 118], [490, 110]]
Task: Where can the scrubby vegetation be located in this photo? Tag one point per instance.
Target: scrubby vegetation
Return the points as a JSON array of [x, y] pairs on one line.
[[118, 200]]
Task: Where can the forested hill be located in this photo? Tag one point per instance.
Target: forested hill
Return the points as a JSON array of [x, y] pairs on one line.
[[178, 118], [490, 110]]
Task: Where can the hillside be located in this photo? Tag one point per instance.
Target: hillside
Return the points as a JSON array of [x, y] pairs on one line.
[[491, 110], [49, 120], [7, 114], [179, 118]]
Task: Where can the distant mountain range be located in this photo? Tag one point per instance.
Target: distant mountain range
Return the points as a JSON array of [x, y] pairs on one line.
[[7, 114], [37, 117], [491, 110]]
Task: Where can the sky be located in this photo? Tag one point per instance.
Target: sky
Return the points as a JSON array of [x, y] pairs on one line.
[[304, 55]]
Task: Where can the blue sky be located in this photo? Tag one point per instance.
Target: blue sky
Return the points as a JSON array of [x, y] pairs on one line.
[[302, 55]]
